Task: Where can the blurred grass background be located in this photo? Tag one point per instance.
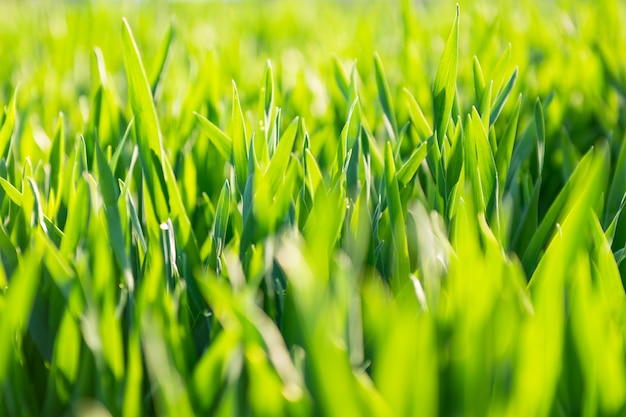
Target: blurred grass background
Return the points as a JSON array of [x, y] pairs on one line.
[[557, 45]]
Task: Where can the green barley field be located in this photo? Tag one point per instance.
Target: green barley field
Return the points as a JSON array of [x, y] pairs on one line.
[[320, 208]]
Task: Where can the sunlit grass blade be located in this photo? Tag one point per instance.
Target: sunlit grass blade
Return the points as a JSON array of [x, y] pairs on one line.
[[161, 58], [78, 212], [149, 134], [278, 165], [16, 307], [396, 218], [505, 148], [13, 193], [417, 117], [340, 78], [216, 364], [313, 173], [484, 108], [110, 195], [37, 208], [8, 126], [501, 98], [121, 147], [221, 219], [562, 205], [219, 139], [540, 131], [240, 142], [455, 163], [444, 88], [480, 164], [171, 393], [410, 167], [147, 127], [386, 101], [501, 67], [479, 79], [268, 103]]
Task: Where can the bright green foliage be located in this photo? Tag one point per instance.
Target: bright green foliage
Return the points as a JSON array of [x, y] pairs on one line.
[[327, 209]]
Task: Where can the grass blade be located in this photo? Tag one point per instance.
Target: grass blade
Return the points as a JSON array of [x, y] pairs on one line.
[[386, 101], [110, 195], [8, 126], [501, 98], [147, 127], [444, 88], [396, 218], [161, 59], [222, 142], [417, 117], [240, 145], [505, 148], [221, 219], [410, 167]]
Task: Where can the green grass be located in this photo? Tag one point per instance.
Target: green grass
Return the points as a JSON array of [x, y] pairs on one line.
[[337, 209]]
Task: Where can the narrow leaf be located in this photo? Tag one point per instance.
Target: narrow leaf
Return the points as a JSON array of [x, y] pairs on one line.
[[240, 146], [444, 88], [384, 96]]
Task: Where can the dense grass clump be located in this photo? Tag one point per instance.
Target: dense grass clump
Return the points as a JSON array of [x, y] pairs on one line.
[[333, 209]]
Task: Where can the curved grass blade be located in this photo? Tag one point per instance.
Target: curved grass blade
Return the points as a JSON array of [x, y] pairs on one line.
[[479, 79], [396, 218], [222, 142], [455, 163], [558, 211], [340, 78], [240, 146], [78, 211], [485, 105], [8, 126], [212, 366], [501, 98], [110, 195], [313, 173], [57, 154], [540, 131], [147, 128], [479, 163], [16, 305], [13, 193], [410, 167], [37, 215], [505, 148], [268, 102], [386, 101], [499, 70], [417, 117], [221, 219], [160, 60], [275, 173], [120, 146], [349, 136], [444, 88]]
